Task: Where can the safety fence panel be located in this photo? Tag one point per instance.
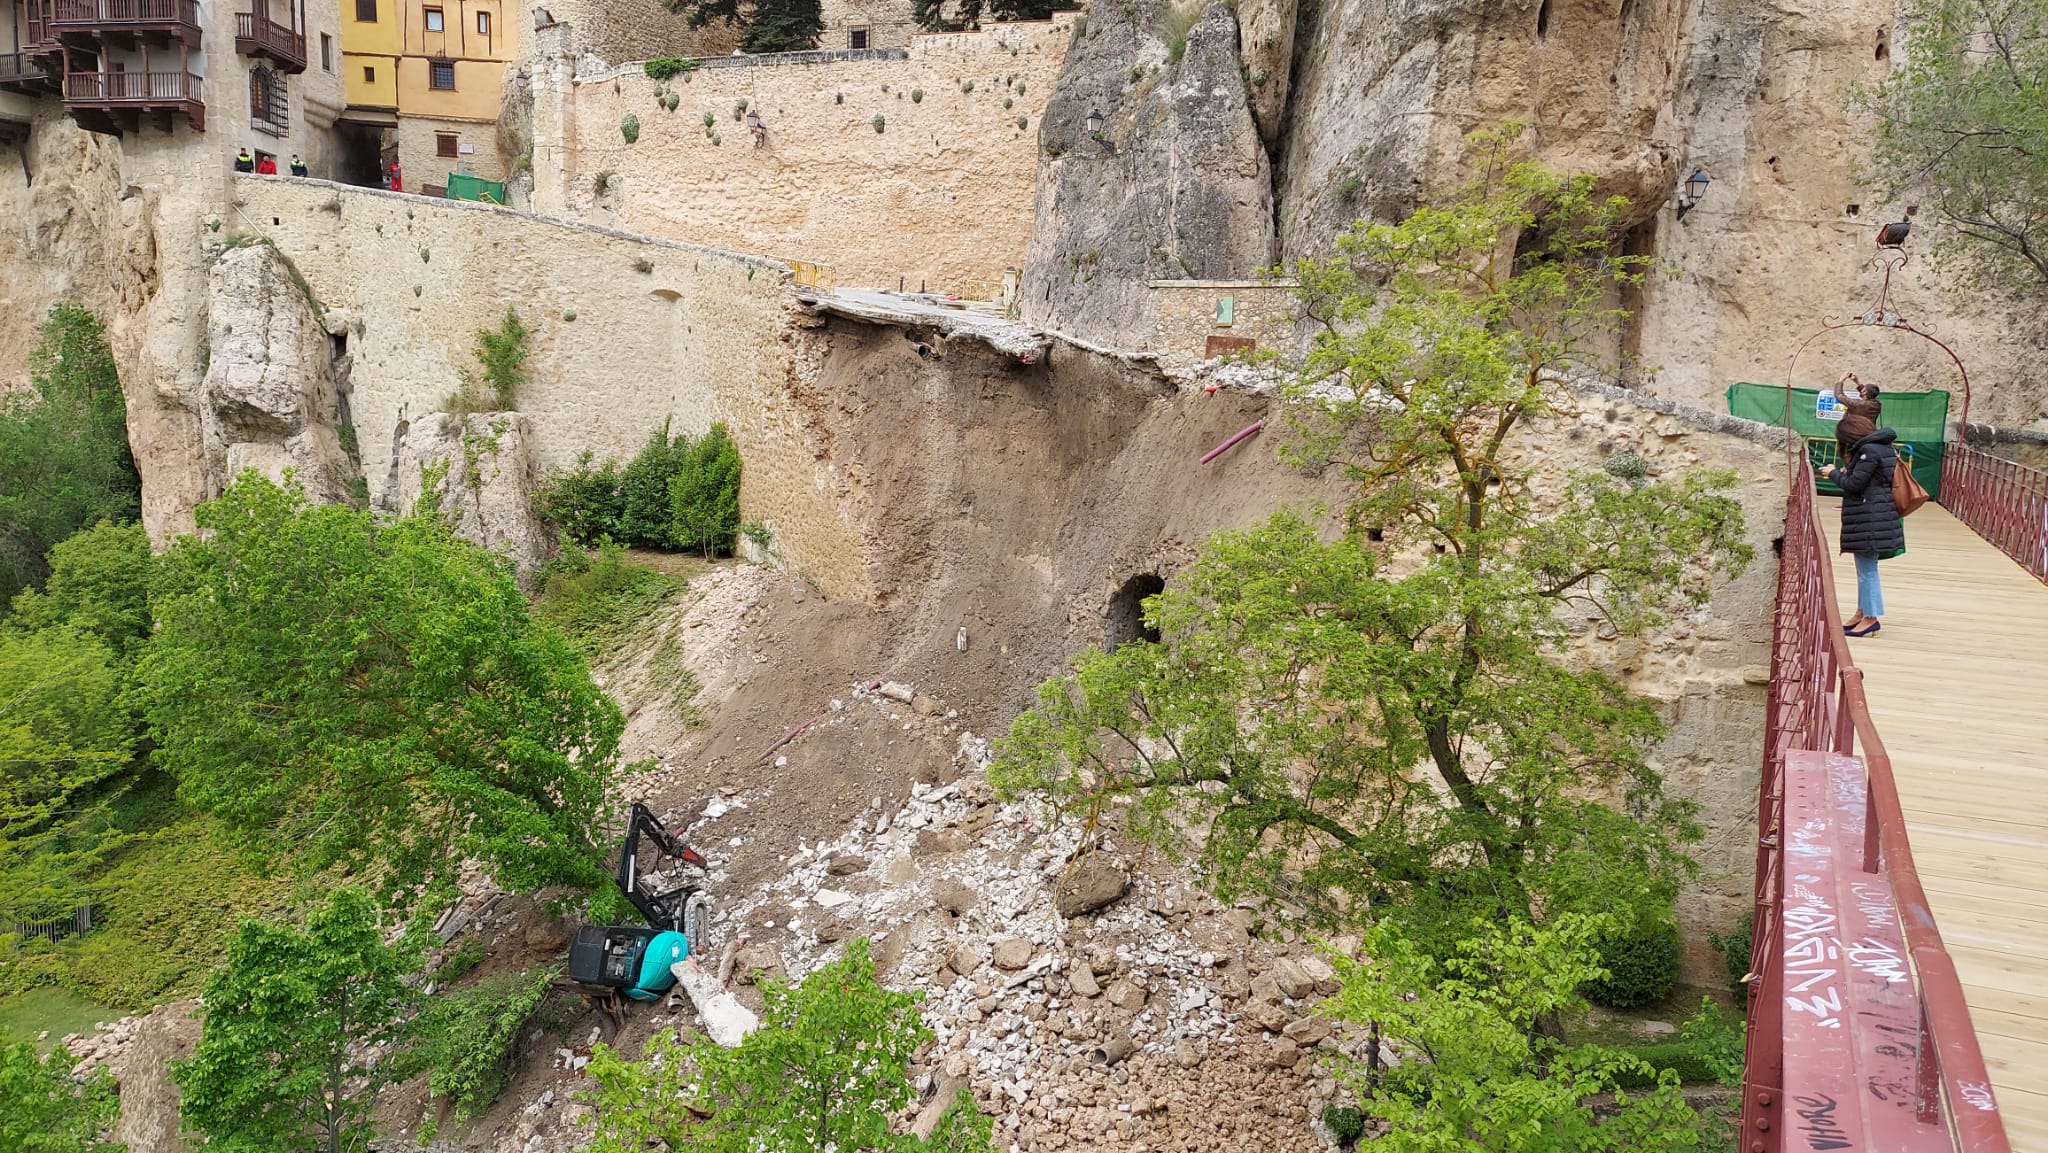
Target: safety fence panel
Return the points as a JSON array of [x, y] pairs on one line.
[[2004, 502]]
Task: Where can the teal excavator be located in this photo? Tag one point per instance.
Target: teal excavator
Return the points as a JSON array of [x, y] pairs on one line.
[[635, 960]]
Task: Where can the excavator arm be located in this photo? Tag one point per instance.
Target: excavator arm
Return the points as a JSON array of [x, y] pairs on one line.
[[663, 909]]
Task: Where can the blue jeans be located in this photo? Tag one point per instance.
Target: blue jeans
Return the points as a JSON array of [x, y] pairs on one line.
[[1869, 596]]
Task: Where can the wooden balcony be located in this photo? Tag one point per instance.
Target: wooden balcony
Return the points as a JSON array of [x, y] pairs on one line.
[[257, 34], [92, 19], [26, 72], [114, 102]]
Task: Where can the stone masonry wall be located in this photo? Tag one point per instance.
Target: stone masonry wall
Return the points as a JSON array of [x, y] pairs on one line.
[[626, 333], [941, 196], [1181, 316]]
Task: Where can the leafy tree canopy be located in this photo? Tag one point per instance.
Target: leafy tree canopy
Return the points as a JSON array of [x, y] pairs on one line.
[[1382, 720], [955, 15], [825, 1072], [1476, 1074], [64, 738], [374, 695], [766, 25], [44, 1109], [283, 1063], [1963, 119], [64, 459], [98, 583]]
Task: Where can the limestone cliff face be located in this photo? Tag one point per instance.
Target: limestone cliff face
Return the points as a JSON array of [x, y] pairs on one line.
[[1374, 118], [273, 399], [1176, 186], [1386, 90]]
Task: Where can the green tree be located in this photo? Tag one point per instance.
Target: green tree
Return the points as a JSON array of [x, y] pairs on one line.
[[466, 1040], [44, 1109], [98, 583], [644, 487], [375, 695], [704, 495], [65, 741], [942, 16], [1963, 121], [1300, 684], [1477, 1074], [826, 1071], [284, 1063], [766, 26], [64, 459]]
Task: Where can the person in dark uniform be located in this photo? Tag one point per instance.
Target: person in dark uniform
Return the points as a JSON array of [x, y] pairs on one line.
[[298, 165], [244, 162]]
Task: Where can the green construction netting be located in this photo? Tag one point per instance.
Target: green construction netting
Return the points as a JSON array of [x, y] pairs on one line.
[[463, 187], [1920, 419]]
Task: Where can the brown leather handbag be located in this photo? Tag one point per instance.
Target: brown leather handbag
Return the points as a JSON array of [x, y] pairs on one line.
[[1906, 492]]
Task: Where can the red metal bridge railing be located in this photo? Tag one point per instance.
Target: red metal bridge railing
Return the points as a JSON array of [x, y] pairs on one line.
[[1817, 703], [2005, 503]]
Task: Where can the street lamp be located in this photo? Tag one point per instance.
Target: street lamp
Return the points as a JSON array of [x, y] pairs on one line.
[[1692, 191], [1095, 124], [1894, 235]]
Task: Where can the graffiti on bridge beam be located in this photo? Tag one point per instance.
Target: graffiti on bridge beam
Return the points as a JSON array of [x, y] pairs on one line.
[[1812, 957], [1817, 1123]]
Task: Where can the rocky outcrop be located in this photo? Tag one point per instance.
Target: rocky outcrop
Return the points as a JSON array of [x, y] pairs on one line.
[[1265, 35], [141, 1052], [481, 470], [1174, 186], [274, 397]]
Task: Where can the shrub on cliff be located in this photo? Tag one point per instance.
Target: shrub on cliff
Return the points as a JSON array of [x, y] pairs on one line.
[[372, 695], [64, 459], [677, 492], [1479, 1071]]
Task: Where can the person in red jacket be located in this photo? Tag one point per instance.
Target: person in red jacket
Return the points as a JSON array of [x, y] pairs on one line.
[[396, 185], [267, 166]]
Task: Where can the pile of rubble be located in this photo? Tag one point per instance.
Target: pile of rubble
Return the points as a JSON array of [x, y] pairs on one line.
[[1085, 1003]]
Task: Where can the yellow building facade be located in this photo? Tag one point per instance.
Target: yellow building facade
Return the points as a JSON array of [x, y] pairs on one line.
[[427, 78]]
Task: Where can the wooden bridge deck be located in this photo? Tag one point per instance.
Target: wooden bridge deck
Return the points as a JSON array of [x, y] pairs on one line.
[[1958, 686]]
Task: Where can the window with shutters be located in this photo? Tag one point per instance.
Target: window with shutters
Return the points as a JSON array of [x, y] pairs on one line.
[[269, 107]]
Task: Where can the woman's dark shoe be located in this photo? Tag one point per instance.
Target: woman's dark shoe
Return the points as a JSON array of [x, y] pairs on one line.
[[1866, 630]]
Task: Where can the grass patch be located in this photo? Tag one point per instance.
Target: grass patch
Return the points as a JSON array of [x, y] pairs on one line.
[[164, 912], [600, 602], [1174, 25]]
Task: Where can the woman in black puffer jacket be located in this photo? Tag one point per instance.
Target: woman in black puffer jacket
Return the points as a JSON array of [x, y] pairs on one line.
[[1871, 527]]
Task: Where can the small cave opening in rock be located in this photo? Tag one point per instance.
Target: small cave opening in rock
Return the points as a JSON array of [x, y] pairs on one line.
[[1543, 20], [1127, 610]]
